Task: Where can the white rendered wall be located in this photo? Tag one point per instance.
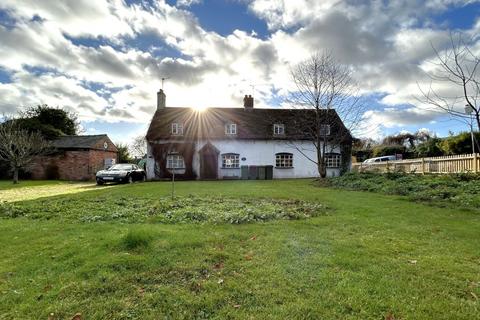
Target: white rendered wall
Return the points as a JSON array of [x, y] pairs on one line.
[[259, 153], [150, 163], [262, 152]]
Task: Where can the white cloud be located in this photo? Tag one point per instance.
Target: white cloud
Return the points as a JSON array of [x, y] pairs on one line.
[[187, 3], [387, 44], [76, 18]]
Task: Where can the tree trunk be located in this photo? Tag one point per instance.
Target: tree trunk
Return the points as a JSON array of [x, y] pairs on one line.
[[15, 175], [322, 170], [477, 117]]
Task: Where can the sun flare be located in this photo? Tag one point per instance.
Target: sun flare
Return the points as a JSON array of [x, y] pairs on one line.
[[200, 109]]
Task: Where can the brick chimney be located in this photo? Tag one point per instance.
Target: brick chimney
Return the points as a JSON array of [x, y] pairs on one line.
[[161, 98], [248, 102]]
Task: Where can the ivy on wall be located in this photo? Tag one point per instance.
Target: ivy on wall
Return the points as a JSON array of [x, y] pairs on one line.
[[160, 153], [346, 152]]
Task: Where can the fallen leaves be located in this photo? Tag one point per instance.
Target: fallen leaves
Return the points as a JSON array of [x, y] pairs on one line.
[[77, 316], [390, 316], [219, 265]]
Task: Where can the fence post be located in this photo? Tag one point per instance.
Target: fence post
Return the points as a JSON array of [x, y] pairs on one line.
[[475, 164], [423, 165]]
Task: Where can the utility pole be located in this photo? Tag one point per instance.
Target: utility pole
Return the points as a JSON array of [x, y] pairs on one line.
[[173, 184], [469, 111]]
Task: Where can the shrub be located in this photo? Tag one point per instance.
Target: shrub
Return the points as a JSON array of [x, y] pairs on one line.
[[460, 190]]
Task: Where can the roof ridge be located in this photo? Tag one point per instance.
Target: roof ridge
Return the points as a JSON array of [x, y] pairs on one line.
[[83, 135], [249, 109]]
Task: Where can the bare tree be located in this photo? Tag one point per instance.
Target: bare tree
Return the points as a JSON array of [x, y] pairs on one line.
[[325, 86], [139, 146], [18, 147], [456, 68]]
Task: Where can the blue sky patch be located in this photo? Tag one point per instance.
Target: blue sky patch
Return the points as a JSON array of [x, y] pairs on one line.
[[461, 17], [5, 76], [7, 20], [224, 17], [117, 131]]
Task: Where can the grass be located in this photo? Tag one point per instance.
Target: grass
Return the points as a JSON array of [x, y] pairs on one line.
[[29, 190], [372, 257], [137, 238]]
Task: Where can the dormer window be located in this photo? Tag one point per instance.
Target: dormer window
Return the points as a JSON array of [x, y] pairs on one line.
[[177, 129], [231, 128], [279, 129], [324, 129]]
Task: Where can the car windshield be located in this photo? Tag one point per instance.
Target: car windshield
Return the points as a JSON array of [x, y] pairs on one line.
[[120, 167]]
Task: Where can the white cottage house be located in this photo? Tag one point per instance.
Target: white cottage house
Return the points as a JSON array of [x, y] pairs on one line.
[[236, 143]]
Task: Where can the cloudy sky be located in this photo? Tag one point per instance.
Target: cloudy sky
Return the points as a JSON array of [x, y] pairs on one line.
[[104, 59]]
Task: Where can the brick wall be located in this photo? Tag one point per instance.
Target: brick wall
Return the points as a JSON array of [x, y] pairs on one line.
[[97, 159], [71, 165]]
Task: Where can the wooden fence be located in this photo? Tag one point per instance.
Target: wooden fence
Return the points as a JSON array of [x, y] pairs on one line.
[[446, 164]]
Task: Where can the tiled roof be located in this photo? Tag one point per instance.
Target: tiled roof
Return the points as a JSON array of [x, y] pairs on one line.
[[252, 123], [81, 142]]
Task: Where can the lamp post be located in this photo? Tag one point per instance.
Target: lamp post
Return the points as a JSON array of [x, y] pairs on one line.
[[469, 111]]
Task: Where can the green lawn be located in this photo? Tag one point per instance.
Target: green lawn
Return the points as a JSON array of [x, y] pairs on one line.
[[370, 257]]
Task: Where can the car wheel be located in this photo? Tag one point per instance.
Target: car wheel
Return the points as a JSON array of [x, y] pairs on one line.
[[100, 183], [129, 179]]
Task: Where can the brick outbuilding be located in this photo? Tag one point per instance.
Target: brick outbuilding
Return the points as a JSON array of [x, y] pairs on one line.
[[76, 158]]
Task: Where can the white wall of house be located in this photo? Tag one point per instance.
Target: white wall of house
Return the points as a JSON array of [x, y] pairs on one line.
[[150, 166], [259, 153]]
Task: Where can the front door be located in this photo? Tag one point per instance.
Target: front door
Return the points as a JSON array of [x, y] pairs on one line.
[[208, 162]]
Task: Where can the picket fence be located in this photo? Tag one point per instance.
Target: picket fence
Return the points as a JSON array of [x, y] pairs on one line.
[[445, 164]]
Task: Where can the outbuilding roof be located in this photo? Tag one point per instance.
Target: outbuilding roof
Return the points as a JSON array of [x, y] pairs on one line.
[[81, 142]]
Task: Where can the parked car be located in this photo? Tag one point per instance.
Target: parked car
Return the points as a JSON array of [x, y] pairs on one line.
[[122, 172], [380, 159]]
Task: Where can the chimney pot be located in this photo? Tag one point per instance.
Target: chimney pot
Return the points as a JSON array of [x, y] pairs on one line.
[[248, 102], [161, 99]]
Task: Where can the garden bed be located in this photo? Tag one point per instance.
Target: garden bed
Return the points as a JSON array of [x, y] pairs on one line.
[[187, 209]]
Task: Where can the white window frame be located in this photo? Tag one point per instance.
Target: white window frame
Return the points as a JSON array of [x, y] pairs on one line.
[[177, 129], [230, 161], [325, 129], [279, 129], [230, 128], [175, 161], [333, 160], [284, 160]]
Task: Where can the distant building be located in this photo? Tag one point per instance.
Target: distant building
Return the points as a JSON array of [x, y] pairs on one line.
[[237, 143], [76, 158]]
